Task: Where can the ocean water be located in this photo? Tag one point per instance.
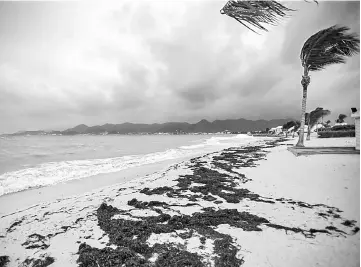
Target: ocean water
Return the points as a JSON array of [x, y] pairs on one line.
[[36, 161]]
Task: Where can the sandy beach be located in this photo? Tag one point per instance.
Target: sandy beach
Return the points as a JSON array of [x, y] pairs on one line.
[[256, 205]]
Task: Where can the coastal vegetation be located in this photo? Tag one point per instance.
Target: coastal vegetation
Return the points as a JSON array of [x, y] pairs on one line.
[[338, 131], [313, 119], [333, 134], [341, 118], [326, 47], [292, 126], [252, 14]]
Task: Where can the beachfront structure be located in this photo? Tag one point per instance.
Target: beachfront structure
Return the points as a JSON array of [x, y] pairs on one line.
[[356, 115], [316, 127], [340, 123], [276, 130]]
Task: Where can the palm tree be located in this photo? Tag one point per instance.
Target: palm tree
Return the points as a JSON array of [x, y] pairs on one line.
[[253, 13], [288, 125], [341, 118], [285, 128], [326, 47], [297, 126], [313, 118]]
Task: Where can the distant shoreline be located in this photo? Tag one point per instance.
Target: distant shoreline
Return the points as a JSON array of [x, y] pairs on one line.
[[235, 126]]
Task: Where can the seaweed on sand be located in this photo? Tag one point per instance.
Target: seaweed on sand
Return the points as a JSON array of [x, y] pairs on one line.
[[108, 257], [143, 204], [131, 237], [349, 223], [227, 253], [333, 228], [35, 241], [213, 182], [16, 223], [42, 262], [153, 205], [178, 258], [4, 261]]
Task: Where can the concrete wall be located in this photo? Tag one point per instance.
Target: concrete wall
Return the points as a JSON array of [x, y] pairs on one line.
[[357, 126]]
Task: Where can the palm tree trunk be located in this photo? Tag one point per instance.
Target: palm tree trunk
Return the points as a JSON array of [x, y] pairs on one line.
[[308, 131], [305, 82]]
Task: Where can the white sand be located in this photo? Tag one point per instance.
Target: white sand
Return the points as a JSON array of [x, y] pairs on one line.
[[333, 180], [327, 179]]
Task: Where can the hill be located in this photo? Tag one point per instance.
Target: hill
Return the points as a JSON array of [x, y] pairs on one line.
[[203, 126]]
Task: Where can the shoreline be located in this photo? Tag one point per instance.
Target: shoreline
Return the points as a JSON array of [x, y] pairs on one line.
[[36, 195], [220, 208]]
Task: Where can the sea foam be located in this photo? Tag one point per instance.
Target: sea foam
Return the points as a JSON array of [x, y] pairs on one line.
[[51, 173]]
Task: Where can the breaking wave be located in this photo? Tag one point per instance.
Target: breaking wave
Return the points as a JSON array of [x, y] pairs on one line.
[[51, 173]]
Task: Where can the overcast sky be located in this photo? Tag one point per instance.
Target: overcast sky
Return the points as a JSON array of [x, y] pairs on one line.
[[66, 63]]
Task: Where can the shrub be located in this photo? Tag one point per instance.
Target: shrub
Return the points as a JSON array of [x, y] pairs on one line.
[[343, 128], [329, 134]]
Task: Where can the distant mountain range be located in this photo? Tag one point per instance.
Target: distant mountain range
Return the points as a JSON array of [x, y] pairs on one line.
[[203, 126]]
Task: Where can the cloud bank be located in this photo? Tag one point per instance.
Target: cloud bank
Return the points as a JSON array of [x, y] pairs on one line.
[[66, 63]]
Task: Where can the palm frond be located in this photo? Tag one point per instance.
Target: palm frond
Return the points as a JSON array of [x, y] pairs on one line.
[[316, 114], [341, 118], [289, 124], [329, 46], [313, 1], [252, 13]]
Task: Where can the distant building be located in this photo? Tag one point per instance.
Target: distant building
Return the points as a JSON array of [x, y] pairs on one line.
[[356, 115], [316, 127], [340, 124], [276, 130]]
